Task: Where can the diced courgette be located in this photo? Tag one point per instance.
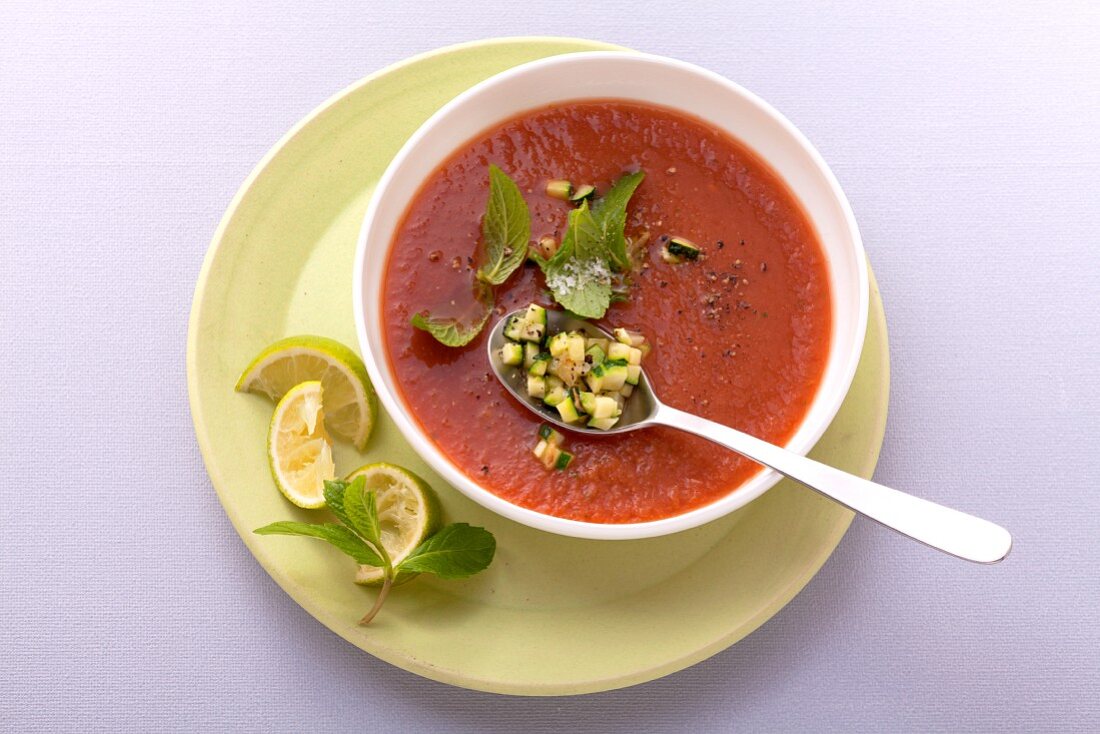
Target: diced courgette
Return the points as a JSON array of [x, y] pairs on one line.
[[530, 351], [539, 364], [514, 328], [587, 191], [618, 350], [568, 411], [531, 327], [629, 338], [548, 434], [605, 407], [548, 449], [602, 423], [610, 376], [511, 354], [559, 189], [685, 248], [558, 344], [532, 332], [575, 348], [536, 314], [588, 401], [678, 250], [555, 395]]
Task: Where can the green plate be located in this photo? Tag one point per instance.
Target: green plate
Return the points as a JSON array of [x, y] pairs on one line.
[[553, 615]]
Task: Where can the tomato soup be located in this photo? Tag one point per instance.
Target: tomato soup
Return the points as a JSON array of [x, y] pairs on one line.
[[739, 336]]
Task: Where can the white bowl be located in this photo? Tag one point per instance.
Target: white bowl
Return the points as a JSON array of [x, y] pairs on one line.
[[643, 78]]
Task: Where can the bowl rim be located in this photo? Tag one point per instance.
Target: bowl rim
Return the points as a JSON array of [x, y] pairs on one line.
[[378, 367]]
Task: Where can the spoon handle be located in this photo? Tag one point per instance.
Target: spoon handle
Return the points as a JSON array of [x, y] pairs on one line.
[[950, 531]]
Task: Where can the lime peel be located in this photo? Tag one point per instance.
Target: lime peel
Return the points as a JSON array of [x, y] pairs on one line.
[[298, 448], [350, 401], [408, 512]]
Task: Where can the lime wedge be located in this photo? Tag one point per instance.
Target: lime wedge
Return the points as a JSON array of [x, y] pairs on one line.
[[298, 448], [349, 397], [408, 513]]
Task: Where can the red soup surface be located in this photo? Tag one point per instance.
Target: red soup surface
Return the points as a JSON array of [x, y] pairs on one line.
[[739, 336]]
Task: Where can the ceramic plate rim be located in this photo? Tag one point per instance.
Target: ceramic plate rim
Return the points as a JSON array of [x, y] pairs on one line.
[[340, 626]]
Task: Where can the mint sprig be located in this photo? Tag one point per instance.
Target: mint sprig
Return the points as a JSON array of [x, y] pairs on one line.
[[505, 234], [584, 275], [456, 551], [581, 274]]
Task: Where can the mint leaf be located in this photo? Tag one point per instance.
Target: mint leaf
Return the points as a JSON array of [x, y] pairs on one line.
[[610, 215], [451, 331], [456, 551], [578, 274], [338, 535], [362, 512], [334, 498], [583, 236], [505, 229], [581, 286]]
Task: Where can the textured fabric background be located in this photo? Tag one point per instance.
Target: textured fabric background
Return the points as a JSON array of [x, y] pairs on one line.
[[968, 140]]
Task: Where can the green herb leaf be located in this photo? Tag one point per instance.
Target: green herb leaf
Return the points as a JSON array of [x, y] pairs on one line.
[[334, 498], [583, 235], [338, 535], [456, 551], [578, 274], [450, 331], [610, 215], [505, 229], [361, 511], [453, 332]]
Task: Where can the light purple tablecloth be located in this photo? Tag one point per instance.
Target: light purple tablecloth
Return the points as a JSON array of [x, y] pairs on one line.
[[968, 141]]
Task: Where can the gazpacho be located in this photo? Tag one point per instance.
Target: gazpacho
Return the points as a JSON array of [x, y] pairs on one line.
[[643, 219]]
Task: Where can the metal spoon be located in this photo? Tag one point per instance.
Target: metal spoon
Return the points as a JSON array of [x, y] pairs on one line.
[[940, 527]]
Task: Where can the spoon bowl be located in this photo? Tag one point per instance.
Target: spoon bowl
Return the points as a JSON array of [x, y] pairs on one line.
[[638, 410]]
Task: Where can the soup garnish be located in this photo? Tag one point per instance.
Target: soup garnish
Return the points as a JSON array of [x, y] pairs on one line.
[[584, 273], [587, 379]]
